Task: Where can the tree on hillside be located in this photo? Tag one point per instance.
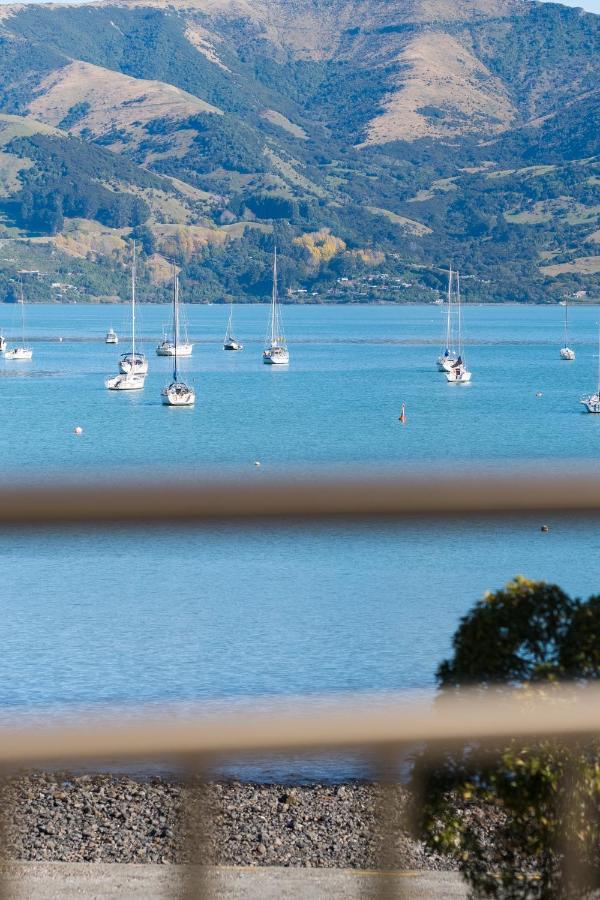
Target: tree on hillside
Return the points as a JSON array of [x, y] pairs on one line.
[[507, 814]]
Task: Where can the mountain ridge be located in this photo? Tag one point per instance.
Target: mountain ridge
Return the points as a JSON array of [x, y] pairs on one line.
[[355, 121]]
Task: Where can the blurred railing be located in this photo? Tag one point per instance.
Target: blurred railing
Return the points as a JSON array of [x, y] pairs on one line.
[[382, 729]]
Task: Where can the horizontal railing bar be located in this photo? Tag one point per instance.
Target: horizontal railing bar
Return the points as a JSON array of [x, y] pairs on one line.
[[359, 723], [413, 495]]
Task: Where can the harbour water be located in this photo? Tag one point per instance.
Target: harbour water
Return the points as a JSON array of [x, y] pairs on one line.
[[111, 618]]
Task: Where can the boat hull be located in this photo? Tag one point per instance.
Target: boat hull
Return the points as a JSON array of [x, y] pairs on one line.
[[126, 365], [591, 403], [128, 382], [276, 358], [567, 353], [458, 377], [233, 345], [19, 353], [168, 349], [178, 394], [445, 363]]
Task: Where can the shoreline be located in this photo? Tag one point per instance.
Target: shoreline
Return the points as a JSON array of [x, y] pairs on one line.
[[61, 817]]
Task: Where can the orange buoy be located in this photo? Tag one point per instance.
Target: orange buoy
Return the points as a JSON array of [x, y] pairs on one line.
[[402, 416]]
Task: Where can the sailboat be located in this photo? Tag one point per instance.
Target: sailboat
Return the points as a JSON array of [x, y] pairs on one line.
[[449, 356], [133, 362], [459, 374], [178, 393], [229, 342], [21, 352], [167, 346], [565, 351], [276, 352], [592, 403], [133, 377]]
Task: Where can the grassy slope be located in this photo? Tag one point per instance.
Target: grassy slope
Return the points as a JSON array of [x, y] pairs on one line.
[[296, 109]]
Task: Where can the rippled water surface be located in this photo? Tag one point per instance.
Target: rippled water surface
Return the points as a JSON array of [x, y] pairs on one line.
[[110, 617]]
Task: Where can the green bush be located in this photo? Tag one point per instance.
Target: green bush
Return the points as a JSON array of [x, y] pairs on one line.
[[508, 814]]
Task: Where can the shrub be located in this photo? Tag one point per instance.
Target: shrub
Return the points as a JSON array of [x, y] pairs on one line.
[[507, 814]]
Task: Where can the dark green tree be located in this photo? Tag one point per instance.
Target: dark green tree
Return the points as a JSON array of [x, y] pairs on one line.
[[507, 814]]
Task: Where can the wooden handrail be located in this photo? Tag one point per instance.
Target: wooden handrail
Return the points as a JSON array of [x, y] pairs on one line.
[[345, 496], [370, 724]]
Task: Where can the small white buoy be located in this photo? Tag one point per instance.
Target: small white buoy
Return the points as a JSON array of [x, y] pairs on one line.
[[78, 430], [539, 394], [60, 340], [257, 464]]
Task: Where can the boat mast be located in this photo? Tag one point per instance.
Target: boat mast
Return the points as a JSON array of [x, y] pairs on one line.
[[22, 301], [228, 335], [175, 320], [566, 322], [460, 348], [133, 310], [598, 388], [274, 329], [448, 321]]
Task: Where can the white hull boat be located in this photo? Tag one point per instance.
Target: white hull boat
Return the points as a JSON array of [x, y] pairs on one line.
[[111, 337], [459, 373], [229, 342], [276, 356], [176, 346], [566, 352], [23, 352], [129, 382], [133, 362], [445, 363], [592, 402], [458, 376], [276, 352], [133, 366], [449, 357], [19, 353], [178, 393], [167, 348]]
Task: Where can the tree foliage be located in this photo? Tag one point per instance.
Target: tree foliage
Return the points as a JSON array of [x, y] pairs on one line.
[[509, 814]]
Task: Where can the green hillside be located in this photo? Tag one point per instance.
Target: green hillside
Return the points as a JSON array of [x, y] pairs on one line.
[[375, 146]]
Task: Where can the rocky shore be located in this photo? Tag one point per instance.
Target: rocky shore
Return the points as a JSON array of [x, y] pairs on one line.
[[107, 818]]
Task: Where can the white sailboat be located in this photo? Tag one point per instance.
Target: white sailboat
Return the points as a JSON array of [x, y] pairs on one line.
[[178, 393], [132, 362], [449, 356], [168, 345], [134, 377], [21, 352], [592, 402], [111, 337], [459, 373], [229, 342], [566, 352], [276, 352]]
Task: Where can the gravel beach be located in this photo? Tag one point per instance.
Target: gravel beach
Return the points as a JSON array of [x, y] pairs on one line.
[[107, 818]]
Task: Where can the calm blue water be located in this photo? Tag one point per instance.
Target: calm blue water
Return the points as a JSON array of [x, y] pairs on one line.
[[109, 618]]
